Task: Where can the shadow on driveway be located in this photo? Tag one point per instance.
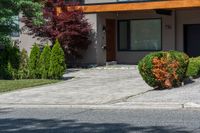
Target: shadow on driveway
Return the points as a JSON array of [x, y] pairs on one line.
[[73, 126], [67, 78]]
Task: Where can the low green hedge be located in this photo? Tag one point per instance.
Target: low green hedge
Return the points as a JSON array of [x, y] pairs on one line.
[[164, 69], [194, 67]]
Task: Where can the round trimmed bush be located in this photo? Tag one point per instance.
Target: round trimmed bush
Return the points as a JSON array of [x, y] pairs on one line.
[[163, 70], [193, 67]]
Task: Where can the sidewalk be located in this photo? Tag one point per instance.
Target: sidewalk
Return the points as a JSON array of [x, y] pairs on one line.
[[118, 87]]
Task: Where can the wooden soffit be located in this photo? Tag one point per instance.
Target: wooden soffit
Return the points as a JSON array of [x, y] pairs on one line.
[[120, 7]]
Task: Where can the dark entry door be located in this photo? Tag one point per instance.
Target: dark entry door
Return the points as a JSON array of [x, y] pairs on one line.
[[192, 40], [110, 39]]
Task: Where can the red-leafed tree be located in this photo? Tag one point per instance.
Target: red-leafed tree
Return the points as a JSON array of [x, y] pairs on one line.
[[69, 26]]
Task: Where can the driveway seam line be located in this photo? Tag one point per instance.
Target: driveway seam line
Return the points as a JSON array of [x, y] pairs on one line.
[[124, 99]]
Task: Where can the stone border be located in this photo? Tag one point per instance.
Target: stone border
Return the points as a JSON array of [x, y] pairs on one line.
[[120, 106]]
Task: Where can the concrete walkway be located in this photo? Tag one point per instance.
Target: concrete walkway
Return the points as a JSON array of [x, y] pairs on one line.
[[96, 86]]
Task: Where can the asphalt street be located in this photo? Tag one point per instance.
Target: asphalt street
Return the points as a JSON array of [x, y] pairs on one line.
[[63, 120]]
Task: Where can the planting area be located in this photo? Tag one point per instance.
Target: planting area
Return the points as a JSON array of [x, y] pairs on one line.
[[10, 85]]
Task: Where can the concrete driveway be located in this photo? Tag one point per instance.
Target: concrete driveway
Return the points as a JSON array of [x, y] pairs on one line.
[[95, 86], [189, 93]]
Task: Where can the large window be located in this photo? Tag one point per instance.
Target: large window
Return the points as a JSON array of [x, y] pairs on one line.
[[123, 41], [16, 32], [140, 35], [80, 1], [133, 0]]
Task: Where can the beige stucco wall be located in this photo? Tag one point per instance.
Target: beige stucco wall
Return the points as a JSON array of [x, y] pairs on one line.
[[101, 36], [90, 55], [189, 16], [96, 54], [172, 34], [26, 41], [132, 57]]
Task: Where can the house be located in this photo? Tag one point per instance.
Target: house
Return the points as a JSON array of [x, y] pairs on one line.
[[23, 38], [126, 30]]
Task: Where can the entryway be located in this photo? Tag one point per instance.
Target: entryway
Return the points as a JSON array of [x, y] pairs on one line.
[[110, 40], [192, 39]]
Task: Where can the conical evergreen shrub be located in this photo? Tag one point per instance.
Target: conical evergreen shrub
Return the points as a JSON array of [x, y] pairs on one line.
[[57, 62], [23, 66], [44, 62], [9, 61], [33, 64]]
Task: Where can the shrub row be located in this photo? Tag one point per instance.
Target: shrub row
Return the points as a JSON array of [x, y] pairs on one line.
[[9, 60], [46, 64], [194, 67]]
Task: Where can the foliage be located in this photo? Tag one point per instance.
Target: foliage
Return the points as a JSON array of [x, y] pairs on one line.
[[70, 27], [23, 67], [33, 64], [164, 69], [57, 62], [32, 9], [9, 57], [194, 67], [7, 23], [13, 56], [12, 73], [44, 62], [17, 65]]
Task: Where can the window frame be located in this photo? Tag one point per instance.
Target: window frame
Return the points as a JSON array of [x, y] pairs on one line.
[[16, 34], [129, 1], [129, 35], [82, 2], [118, 2]]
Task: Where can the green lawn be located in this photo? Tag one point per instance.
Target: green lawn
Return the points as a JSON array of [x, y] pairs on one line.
[[10, 85]]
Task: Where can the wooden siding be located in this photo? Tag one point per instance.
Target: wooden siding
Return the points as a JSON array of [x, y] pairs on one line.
[[119, 7]]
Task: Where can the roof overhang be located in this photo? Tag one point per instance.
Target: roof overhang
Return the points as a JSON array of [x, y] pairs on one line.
[[121, 7]]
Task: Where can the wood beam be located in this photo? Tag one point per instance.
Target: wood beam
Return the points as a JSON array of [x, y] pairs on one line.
[[120, 7]]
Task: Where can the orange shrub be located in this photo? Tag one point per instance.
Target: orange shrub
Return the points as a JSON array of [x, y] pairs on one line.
[[161, 72], [164, 69]]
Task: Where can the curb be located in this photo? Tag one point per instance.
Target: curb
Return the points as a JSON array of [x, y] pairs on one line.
[[119, 106], [130, 106], [192, 105], [98, 107]]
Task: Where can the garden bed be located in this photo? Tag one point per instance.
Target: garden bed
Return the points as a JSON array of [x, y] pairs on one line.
[[10, 85]]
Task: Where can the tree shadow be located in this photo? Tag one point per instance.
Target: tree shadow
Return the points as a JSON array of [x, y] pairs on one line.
[[71, 71], [67, 78], [5, 110], [188, 81], [73, 126]]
